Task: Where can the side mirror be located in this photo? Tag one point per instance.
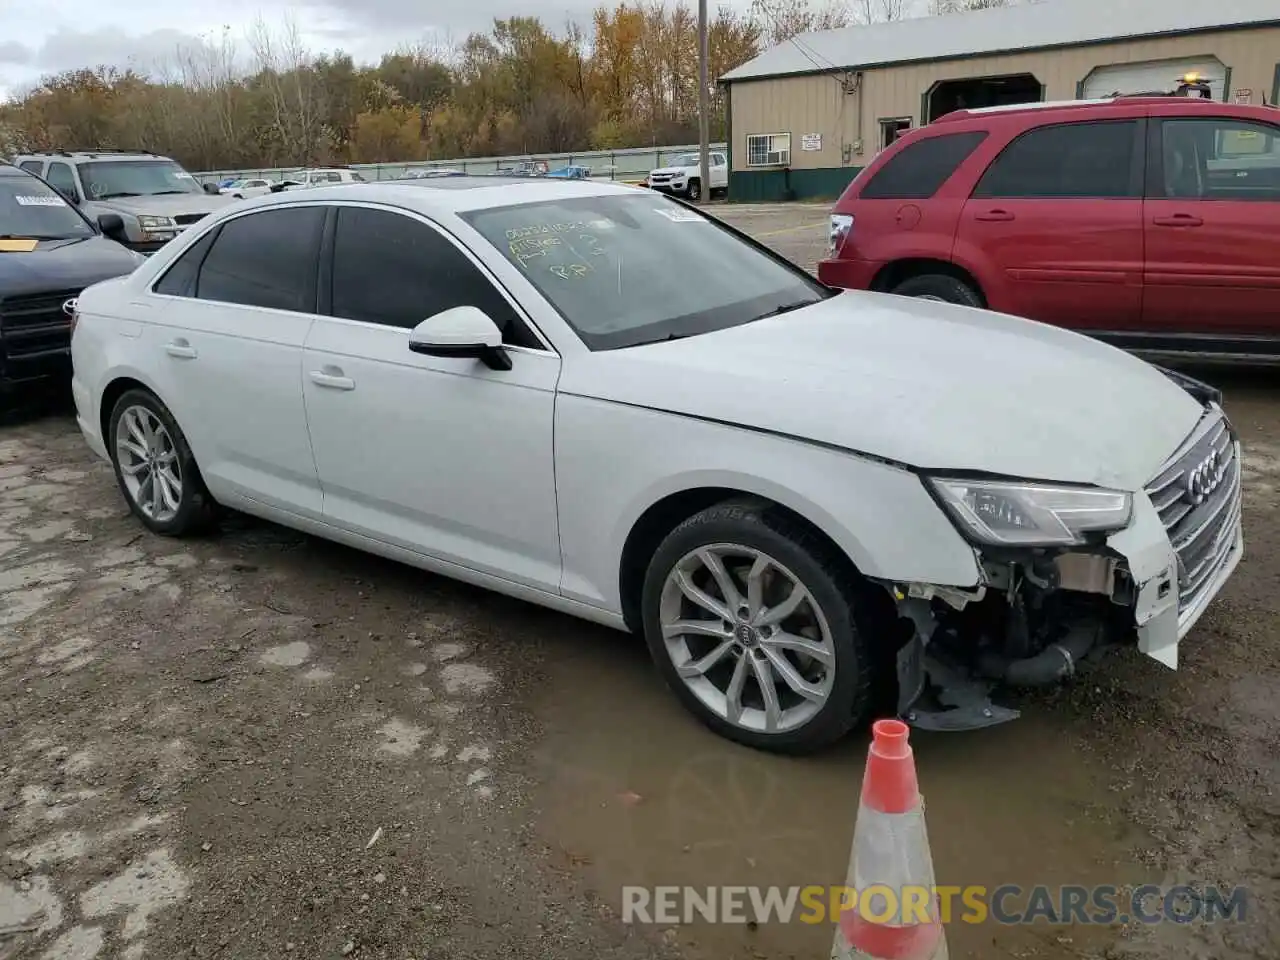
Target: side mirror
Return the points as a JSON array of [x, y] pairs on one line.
[[112, 225], [210, 188], [461, 332]]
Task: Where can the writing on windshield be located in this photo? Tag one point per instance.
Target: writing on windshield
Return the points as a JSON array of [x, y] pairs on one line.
[[564, 249], [614, 267]]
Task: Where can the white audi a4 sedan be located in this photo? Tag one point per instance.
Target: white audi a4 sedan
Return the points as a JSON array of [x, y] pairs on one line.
[[815, 506]]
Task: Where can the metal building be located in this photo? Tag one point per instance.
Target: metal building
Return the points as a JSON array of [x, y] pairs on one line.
[[806, 115]]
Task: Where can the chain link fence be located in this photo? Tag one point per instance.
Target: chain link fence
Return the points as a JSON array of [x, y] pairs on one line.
[[629, 166]]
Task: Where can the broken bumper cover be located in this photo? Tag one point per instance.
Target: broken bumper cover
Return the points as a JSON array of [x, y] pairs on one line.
[[1183, 543]]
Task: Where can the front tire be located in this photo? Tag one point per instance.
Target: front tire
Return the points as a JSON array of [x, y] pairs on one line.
[[693, 192], [155, 468], [751, 620]]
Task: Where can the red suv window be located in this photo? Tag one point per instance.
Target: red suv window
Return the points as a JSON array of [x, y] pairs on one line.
[[917, 170], [1092, 159]]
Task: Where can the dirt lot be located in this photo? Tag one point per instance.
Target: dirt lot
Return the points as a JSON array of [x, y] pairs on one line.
[[259, 745]]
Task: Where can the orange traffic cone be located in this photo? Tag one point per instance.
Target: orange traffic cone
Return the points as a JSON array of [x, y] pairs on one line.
[[891, 909]]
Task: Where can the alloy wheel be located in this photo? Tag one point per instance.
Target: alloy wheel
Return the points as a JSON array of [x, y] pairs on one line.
[[149, 463], [747, 638]]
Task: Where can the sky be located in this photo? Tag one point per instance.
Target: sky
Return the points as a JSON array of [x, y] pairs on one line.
[[41, 38]]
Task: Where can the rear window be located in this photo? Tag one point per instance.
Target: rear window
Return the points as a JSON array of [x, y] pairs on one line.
[[917, 170]]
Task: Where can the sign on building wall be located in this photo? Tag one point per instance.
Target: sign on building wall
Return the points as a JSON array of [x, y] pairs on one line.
[[811, 141], [1244, 95]]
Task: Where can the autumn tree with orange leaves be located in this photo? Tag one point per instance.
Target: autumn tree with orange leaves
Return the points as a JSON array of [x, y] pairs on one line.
[[628, 78]]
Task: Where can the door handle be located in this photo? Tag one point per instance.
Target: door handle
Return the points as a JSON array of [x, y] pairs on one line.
[[1178, 220], [180, 349], [994, 216], [332, 378]]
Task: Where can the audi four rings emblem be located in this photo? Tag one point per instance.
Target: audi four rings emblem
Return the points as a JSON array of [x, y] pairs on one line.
[[1204, 478], [69, 307]]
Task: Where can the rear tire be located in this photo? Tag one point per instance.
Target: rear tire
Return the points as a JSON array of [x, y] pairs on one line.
[[817, 657], [939, 286], [155, 468]]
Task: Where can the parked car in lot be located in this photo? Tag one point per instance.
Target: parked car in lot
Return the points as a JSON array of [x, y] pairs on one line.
[[812, 504], [1152, 222], [318, 178], [683, 176], [417, 173], [49, 252], [571, 172], [249, 187], [154, 198]]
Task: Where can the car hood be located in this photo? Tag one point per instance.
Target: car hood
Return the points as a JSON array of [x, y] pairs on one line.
[[58, 265], [169, 205], [930, 385]]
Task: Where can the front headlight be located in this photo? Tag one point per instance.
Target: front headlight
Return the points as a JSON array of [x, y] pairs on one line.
[[157, 224], [1008, 513]]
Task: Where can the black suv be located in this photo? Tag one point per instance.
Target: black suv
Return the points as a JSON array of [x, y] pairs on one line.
[[49, 252]]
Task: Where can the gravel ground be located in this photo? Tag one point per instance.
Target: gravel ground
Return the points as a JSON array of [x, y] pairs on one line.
[[262, 745]]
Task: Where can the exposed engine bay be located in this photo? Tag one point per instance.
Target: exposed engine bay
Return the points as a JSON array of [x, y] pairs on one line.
[[1030, 624], [1038, 613]]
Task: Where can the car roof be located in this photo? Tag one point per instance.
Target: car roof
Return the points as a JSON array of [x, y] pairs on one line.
[[449, 194], [1101, 104], [92, 155]]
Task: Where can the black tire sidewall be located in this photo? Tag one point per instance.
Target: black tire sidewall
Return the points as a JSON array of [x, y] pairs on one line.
[[949, 289], [694, 190], [194, 507], [849, 700]]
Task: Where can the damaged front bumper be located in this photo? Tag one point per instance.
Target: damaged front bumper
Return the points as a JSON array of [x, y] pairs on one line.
[[1037, 614]]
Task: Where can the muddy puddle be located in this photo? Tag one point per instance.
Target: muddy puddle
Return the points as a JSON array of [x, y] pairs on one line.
[[636, 793]]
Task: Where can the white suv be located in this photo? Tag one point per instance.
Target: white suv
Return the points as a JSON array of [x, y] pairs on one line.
[[321, 178], [683, 175], [812, 504]]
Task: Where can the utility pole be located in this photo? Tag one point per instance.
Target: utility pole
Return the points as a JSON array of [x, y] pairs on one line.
[[704, 108]]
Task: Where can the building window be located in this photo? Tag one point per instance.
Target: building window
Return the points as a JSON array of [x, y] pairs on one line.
[[768, 149], [892, 129]]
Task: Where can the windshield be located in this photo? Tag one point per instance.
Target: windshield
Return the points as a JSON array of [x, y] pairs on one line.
[[627, 270], [31, 210], [685, 160], [105, 179]]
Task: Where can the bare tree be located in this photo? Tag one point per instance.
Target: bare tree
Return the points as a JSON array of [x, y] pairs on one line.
[[880, 11]]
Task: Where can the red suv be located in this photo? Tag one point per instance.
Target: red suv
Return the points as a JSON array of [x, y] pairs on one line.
[[1152, 222]]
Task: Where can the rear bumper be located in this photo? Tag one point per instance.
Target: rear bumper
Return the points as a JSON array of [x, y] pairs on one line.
[[87, 418], [848, 274]]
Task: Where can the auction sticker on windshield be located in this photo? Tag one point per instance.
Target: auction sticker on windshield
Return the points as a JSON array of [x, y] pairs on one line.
[[40, 201], [679, 215], [17, 245]]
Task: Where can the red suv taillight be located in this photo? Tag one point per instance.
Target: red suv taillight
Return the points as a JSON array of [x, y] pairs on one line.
[[841, 224]]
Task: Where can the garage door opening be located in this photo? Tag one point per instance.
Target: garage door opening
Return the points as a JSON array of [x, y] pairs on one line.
[[948, 95]]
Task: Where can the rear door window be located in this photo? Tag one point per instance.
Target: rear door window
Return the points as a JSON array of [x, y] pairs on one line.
[[918, 170], [265, 259], [1083, 160]]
